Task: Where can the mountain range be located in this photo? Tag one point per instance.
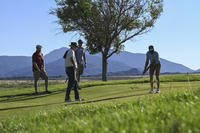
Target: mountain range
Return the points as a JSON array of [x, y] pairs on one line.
[[124, 63]]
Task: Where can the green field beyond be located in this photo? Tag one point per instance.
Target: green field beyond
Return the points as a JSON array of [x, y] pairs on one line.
[[117, 106]]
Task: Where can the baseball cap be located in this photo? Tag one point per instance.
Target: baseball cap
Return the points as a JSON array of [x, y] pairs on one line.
[[73, 44], [151, 48], [38, 46], [80, 41]]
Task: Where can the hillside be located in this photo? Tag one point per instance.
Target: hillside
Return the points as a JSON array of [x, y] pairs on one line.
[[136, 60], [12, 63], [20, 66], [198, 71]]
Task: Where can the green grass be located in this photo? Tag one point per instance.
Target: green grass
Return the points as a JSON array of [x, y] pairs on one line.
[[113, 106]]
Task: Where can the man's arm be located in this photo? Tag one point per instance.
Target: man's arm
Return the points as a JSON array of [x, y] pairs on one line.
[[43, 65], [34, 63], [73, 58], [84, 58], [36, 66], [146, 64]]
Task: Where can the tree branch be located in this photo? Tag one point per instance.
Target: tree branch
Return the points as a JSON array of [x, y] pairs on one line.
[[112, 53], [140, 32]]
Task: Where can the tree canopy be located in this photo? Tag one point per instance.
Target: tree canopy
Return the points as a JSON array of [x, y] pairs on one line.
[[108, 24]]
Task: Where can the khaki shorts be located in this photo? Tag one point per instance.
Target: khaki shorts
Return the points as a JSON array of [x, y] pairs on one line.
[[37, 75], [154, 68]]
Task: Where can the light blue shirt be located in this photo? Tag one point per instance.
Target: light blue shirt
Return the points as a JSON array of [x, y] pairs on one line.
[[153, 57]]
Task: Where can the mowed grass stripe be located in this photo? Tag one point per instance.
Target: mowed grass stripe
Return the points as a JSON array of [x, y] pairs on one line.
[[15, 97], [169, 112], [97, 93]]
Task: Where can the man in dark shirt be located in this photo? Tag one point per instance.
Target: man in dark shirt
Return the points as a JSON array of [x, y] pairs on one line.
[[38, 68], [81, 60], [152, 57]]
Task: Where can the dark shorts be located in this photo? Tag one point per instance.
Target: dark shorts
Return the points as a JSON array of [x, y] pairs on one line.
[[154, 69]]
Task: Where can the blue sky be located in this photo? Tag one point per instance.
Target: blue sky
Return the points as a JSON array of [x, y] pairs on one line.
[[25, 23]]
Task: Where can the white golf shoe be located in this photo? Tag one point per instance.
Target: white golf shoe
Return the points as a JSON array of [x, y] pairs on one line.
[[158, 91], [151, 91]]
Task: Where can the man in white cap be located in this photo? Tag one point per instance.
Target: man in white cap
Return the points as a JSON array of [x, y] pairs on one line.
[[39, 68]]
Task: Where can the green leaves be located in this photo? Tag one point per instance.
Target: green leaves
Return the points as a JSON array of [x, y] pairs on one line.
[[108, 24], [102, 22]]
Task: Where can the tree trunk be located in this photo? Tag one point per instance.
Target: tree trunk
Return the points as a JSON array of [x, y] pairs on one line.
[[104, 67]]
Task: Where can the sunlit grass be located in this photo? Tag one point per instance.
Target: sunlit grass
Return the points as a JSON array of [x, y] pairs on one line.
[[113, 106]]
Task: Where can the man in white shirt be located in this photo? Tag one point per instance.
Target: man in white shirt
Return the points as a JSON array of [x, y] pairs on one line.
[[70, 68]]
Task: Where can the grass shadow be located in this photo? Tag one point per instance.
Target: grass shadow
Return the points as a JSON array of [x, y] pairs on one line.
[[31, 106], [73, 103], [28, 96], [106, 99]]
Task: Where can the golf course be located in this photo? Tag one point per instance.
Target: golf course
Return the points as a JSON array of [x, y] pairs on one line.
[[122, 106]]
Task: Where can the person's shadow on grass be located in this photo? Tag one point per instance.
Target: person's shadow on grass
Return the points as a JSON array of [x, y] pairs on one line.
[[27, 96]]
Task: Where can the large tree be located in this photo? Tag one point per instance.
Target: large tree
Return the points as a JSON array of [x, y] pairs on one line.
[[108, 24]]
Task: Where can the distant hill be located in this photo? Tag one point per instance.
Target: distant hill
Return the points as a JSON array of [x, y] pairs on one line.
[[133, 71], [55, 66], [124, 63], [136, 60], [93, 67], [11, 63], [197, 71], [55, 55], [131, 60]]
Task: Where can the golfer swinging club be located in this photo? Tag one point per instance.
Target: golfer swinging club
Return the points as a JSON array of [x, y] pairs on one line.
[[154, 67]]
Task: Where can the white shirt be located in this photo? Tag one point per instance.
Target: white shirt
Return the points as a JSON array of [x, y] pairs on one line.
[[68, 62]]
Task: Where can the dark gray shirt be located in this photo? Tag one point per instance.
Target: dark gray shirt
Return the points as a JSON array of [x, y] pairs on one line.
[[79, 55]]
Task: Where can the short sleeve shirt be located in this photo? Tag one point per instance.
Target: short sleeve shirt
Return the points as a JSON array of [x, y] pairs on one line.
[[79, 55], [38, 59], [68, 62], [153, 57]]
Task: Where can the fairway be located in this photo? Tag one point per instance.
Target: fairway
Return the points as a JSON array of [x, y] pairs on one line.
[[113, 106]]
